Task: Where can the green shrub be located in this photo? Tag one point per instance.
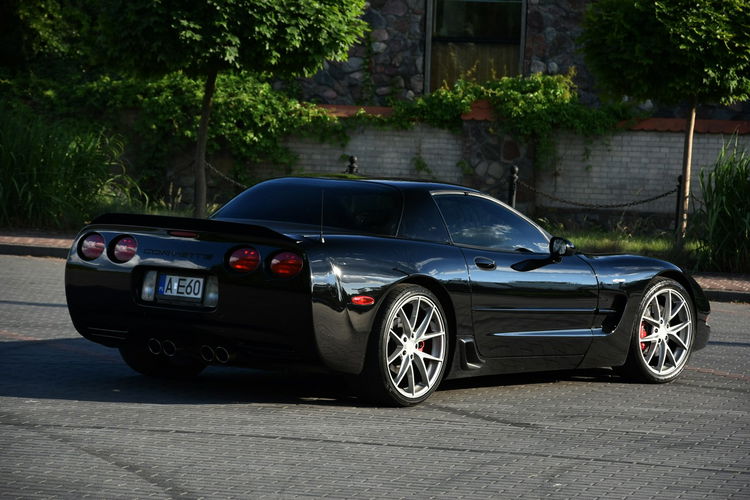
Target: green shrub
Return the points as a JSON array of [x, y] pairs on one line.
[[529, 107], [159, 117], [723, 219], [51, 174]]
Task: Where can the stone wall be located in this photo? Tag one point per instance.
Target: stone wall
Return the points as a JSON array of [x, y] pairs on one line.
[[552, 27], [388, 64]]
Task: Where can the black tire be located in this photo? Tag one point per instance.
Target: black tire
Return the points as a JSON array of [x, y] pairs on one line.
[[662, 334], [138, 357], [405, 364]]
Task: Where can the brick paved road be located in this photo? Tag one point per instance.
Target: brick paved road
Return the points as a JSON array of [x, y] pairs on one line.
[[74, 421]]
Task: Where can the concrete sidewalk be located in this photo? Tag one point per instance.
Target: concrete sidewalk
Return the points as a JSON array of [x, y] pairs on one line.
[[724, 287]]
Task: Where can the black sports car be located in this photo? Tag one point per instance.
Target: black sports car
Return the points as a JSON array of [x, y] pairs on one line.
[[400, 283]]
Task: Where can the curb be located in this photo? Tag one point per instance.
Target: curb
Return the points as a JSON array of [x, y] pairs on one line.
[[727, 296], [32, 251]]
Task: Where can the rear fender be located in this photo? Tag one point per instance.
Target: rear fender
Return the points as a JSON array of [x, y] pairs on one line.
[[346, 266]]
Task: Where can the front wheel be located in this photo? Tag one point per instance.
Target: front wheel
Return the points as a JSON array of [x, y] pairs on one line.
[[408, 350], [662, 338]]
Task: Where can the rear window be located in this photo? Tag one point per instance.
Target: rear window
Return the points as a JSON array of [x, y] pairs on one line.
[[349, 206]]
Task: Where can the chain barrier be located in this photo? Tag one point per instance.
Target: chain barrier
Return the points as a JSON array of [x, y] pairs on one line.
[[522, 183], [596, 205], [224, 176]]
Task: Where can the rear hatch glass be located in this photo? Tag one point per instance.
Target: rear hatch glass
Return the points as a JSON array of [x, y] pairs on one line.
[[341, 206]]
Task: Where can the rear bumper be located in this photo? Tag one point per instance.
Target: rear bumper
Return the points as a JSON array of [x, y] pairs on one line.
[[256, 321]]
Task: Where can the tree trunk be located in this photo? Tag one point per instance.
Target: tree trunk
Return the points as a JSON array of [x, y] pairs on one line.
[[199, 195], [687, 160]]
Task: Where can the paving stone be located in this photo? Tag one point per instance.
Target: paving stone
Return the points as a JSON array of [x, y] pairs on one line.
[[76, 422]]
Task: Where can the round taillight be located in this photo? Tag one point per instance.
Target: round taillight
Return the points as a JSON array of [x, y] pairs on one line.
[[286, 264], [124, 249], [91, 246], [244, 259]]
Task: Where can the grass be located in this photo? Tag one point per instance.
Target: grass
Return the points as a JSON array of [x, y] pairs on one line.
[[659, 245]]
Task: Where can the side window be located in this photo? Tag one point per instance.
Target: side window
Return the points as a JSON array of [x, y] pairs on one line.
[[478, 222], [421, 219]]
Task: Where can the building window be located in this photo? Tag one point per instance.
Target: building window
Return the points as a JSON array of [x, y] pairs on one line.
[[476, 38]]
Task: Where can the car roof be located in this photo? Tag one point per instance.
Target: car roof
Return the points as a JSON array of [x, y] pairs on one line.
[[401, 184]]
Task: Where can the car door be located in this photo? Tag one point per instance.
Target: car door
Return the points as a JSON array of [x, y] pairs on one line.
[[525, 303]]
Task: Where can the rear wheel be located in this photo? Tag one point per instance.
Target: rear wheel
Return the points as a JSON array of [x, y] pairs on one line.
[[662, 338], [138, 357], [408, 350]]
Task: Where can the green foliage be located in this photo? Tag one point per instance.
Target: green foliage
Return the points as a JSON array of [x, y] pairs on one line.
[[158, 117], [420, 165], [441, 108], [534, 107], [531, 108], [54, 174], [670, 50], [279, 36], [723, 219], [43, 31], [208, 37]]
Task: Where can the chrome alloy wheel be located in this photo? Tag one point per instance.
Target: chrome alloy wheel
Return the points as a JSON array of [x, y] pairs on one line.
[[665, 332], [416, 346]]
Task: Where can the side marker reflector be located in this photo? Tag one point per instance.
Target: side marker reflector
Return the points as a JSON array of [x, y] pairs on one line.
[[362, 300]]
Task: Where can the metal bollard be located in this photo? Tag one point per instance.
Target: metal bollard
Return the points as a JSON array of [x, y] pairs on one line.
[[352, 168], [512, 186]]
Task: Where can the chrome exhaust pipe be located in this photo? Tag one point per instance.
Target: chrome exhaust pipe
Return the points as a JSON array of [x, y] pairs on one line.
[[169, 347], [154, 346], [222, 355], [207, 353]]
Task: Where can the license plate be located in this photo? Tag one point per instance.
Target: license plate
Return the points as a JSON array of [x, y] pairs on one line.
[[184, 287]]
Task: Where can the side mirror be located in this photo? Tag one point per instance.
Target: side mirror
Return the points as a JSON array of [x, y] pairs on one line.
[[560, 247]]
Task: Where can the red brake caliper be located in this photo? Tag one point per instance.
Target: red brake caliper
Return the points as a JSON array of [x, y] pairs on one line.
[[420, 346], [643, 335]]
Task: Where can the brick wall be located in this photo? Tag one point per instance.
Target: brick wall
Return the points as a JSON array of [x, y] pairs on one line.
[[386, 153], [628, 166], [625, 167]]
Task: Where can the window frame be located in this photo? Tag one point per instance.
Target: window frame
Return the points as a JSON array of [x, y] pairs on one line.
[[545, 235], [429, 27]]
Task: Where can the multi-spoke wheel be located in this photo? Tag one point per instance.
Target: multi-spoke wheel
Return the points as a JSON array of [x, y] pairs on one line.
[[663, 336], [409, 349]]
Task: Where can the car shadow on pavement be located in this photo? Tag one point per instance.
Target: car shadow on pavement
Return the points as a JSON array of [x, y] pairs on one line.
[[76, 369]]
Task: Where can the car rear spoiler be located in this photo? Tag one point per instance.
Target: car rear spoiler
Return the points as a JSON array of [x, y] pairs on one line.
[[169, 223]]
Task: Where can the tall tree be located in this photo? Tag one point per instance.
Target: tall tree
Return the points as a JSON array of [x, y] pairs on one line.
[[205, 37], [672, 51]]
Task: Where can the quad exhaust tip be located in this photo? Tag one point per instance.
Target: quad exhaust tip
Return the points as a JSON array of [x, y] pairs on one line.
[[169, 348], [207, 353], [222, 355], [154, 346]]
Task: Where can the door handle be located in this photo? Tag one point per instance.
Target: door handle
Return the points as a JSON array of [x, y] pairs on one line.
[[484, 263]]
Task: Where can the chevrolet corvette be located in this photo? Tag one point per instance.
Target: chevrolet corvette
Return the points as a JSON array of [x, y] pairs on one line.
[[398, 284]]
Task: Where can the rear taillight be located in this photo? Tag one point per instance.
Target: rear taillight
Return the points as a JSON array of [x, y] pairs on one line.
[[124, 249], [91, 246], [286, 264], [244, 259]]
